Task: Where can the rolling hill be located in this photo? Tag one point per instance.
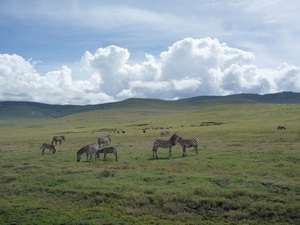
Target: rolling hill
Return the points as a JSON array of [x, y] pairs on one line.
[[31, 111]]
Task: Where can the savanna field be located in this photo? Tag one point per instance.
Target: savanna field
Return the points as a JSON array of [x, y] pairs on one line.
[[246, 172]]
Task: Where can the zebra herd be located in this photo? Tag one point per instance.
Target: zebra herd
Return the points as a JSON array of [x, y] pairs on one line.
[[93, 148], [89, 150], [51, 146]]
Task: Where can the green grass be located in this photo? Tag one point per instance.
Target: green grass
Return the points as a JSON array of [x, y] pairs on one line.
[[246, 172]]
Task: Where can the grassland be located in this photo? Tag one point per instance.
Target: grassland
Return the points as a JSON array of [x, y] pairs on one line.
[[246, 172]]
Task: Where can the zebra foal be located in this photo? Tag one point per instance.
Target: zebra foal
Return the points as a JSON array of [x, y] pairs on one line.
[[89, 150], [58, 139], [108, 150], [104, 140], [188, 143], [48, 146], [165, 144]]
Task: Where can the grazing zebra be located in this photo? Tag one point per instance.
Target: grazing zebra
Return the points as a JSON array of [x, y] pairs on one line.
[[280, 128], [164, 133], [165, 144], [49, 146], [188, 143], [108, 150], [58, 139], [89, 150], [104, 140]]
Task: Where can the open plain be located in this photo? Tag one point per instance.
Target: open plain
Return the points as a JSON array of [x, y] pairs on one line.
[[246, 172]]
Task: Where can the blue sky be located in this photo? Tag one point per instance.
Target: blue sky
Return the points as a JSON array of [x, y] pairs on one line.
[[91, 52]]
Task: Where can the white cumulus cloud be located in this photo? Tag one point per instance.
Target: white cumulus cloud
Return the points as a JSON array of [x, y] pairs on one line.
[[190, 67]]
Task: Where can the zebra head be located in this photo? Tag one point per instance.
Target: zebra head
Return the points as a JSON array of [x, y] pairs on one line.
[[54, 150], [80, 152], [108, 136], [63, 137], [78, 157], [98, 154], [175, 138]]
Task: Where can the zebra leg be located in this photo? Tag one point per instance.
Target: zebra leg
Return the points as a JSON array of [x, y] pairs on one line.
[[104, 159], [196, 148], [170, 151], [116, 154], [183, 151], [155, 152], [43, 151]]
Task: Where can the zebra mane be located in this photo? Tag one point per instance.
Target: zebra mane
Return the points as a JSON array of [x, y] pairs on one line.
[[82, 150]]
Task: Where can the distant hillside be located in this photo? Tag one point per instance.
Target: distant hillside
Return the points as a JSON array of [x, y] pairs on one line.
[[277, 98], [18, 111]]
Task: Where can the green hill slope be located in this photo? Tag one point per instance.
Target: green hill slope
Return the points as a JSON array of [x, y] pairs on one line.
[[16, 112]]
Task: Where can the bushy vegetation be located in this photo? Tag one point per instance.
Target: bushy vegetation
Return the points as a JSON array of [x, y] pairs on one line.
[[246, 172]]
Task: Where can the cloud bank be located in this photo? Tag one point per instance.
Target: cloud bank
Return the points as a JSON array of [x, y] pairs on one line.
[[190, 67]]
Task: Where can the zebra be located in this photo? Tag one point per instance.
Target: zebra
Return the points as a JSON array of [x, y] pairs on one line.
[[165, 144], [49, 146], [280, 128], [164, 133], [188, 143], [89, 150], [104, 140], [58, 139], [108, 150]]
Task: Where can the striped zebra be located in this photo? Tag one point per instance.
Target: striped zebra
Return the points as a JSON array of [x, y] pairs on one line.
[[89, 150], [188, 143], [164, 133], [108, 150], [48, 146], [165, 144], [104, 140], [58, 139]]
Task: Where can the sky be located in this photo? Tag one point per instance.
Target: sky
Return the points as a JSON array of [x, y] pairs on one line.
[[76, 52]]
